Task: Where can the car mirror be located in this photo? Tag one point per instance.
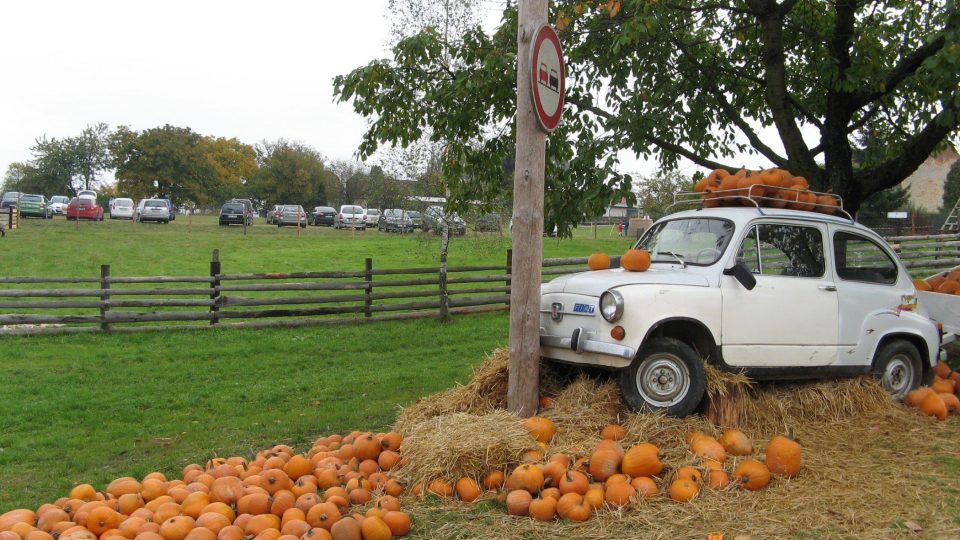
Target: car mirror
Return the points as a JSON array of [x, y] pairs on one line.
[[742, 274]]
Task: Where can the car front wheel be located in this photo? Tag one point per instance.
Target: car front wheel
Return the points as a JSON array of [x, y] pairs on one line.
[[666, 376], [899, 367]]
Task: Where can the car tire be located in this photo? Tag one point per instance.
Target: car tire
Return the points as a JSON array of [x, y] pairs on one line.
[[899, 367], [666, 376]]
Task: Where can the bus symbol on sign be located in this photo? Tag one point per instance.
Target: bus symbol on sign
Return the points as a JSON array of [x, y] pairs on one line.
[[551, 80]]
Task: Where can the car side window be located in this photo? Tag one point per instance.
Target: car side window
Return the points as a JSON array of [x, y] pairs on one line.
[[861, 259], [783, 250]]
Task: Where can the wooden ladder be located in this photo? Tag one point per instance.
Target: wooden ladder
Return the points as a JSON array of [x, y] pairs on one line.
[[952, 224]]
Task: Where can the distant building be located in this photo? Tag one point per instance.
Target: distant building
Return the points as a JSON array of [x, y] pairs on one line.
[[925, 185], [621, 209]]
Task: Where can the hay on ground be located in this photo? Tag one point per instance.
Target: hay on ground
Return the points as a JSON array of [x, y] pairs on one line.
[[460, 444], [581, 410]]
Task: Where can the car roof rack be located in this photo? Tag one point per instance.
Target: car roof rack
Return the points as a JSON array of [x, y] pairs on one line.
[[757, 196]]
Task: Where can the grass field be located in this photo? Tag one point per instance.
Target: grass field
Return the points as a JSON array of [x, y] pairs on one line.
[[90, 408]]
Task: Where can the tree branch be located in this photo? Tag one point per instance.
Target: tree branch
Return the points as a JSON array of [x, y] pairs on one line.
[[745, 128], [908, 65]]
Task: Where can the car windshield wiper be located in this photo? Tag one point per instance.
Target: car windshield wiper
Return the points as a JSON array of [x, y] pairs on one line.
[[678, 257]]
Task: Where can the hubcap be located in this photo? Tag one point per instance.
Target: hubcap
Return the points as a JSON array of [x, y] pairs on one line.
[[897, 376], [663, 380]]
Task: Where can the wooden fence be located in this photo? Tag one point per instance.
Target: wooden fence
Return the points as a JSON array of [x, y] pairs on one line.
[[259, 300], [50, 305], [10, 217]]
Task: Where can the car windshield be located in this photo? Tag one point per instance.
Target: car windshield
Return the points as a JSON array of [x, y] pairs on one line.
[[373, 212], [413, 214], [695, 241], [156, 204]]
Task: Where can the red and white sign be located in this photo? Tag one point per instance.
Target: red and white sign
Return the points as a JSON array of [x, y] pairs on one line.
[[548, 83]]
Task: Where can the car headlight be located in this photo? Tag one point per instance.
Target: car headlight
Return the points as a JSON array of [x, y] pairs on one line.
[[611, 306]]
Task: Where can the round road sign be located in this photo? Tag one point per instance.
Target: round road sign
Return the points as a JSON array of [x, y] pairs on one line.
[[547, 72]]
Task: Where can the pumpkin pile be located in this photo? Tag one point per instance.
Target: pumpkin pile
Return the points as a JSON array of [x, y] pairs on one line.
[[566, 486], [774, 188], [945, 282], [279, 495], [634, 260], [940, 399]]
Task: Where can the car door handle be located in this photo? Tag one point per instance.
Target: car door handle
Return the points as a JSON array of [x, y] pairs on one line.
[[827, 287]]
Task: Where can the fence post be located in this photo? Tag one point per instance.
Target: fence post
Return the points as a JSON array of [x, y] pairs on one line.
[[509, 272], [368, 277], [215, 284], [104, 296]]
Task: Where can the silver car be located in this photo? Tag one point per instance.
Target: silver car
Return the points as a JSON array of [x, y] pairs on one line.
[[154, 210], [290, 214], [395, 219], [351, 216]]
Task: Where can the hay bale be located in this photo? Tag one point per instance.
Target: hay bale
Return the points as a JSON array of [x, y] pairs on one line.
[[485, 392], [725, 391], [581, 410], [460, 444]]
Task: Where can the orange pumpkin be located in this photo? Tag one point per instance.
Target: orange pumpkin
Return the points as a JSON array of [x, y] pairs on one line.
[[346, 529], [943, 386], [493, 480], [518, 502], [467, 489], [915, 397], [574, 507], [399, 522], [528, 477], [922, 285], [752, 475], [783, 456], [635, 260], [620, 494], [375, 528], [613, 432], [440, 487], [683, 490], [642, 460], [708, 447], [544, 509], [951, 402], [645, 487], [598, 261], [933, 405], [542, 429], [736, 443], [574, 482]]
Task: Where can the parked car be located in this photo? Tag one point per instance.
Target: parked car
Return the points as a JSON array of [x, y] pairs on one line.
[[291, 214], [248, 209], [84, 208], [232, 213], [172, 208], [371, 216], [324, 215], [773, 293], [271, 214], [435, 217], [155, 210], [121, 208], [416, 217], [32, 205], [350, 216], [58, 204], [488, 223], [395, 220], [10, 199]]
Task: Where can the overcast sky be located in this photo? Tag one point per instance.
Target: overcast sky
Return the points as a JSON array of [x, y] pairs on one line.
[[250, 70]]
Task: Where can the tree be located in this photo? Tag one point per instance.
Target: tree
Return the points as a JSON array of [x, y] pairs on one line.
[[90, 153], [384, 191], [691, 79], [165, 161], [656, 192], [352, 179], [21, 177], [876, 206], [233, 163], [54, 166], [951, 188], [289, 173]]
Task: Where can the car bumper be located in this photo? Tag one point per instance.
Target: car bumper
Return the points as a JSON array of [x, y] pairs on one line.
[[581, 341]]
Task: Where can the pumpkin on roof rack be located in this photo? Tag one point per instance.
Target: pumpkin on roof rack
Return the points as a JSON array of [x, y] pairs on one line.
[[770, 188]]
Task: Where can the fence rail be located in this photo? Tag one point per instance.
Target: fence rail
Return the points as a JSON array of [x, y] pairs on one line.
[[51, 305]]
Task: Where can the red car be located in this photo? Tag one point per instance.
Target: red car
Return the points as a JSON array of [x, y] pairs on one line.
[[84, 208]]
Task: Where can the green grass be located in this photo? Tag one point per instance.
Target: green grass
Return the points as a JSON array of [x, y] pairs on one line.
[[90, 408]]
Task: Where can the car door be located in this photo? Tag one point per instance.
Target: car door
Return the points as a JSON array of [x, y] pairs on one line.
[[789, 319], [870, 292]]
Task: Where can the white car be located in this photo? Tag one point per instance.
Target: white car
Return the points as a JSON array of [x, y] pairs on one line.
[[121, 208], [350, 216], [58, 204], [775, 293]]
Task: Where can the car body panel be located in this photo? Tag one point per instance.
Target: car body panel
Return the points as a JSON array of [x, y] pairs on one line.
[[324, 215], [291, 214], [350, 216], [395, 220], [121, 208], [32, 205], [84, 208], [232, 213]]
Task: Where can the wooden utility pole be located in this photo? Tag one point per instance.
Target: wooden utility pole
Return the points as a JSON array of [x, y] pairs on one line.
[[524, 365]]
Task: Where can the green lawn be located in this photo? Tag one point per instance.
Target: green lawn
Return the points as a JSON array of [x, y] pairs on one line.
[[90, 408]]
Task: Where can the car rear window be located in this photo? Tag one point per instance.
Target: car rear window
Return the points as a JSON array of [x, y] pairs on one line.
[[123, 203], [352, 210], [156, 204], [30, 198], [238, 208], [289, 208]]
